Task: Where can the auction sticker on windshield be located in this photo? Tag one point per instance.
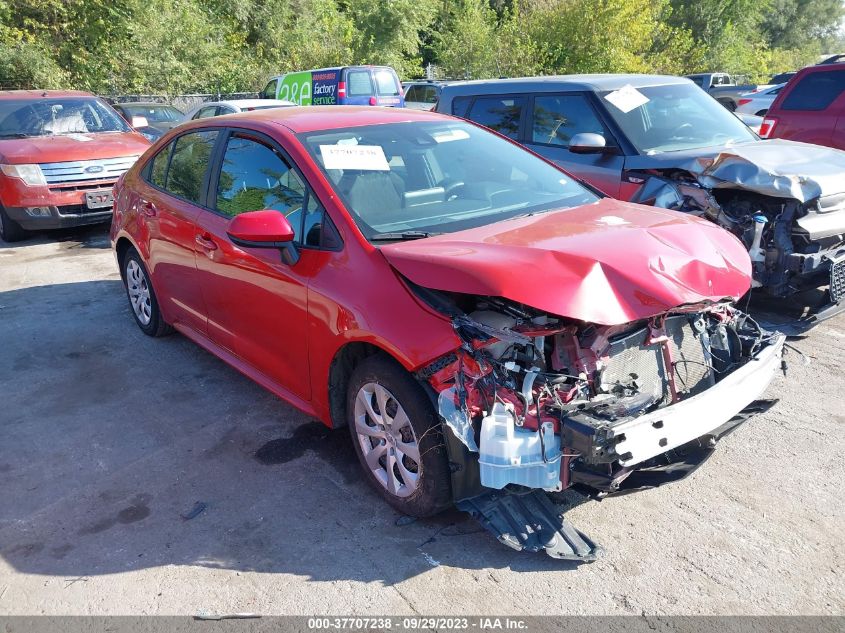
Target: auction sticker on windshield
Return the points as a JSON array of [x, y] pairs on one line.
[[627, 98], [361, 157]]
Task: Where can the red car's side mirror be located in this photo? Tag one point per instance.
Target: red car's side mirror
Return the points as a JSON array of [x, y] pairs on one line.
[[260, 229], [264, 229]]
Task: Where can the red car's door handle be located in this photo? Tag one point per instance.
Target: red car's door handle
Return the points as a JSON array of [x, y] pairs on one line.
[[149, 209], [206, 242]]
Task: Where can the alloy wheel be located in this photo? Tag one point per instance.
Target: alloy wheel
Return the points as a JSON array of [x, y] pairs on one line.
[[387, 439], [139, 292]]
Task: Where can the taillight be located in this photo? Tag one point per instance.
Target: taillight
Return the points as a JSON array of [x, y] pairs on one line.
[[373, 101], [341, 89], [767, 127], [743, 102]]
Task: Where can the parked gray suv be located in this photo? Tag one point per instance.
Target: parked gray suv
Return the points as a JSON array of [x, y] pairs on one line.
[[661, 140]]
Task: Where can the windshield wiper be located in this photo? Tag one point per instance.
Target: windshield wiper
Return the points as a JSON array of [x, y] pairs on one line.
[[404, 235], [16, 135]]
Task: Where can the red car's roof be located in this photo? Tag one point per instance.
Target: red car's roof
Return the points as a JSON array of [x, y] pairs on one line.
[[41, 94], [313, 118]]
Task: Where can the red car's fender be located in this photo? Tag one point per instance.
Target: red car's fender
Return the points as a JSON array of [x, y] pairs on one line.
[[338, 317]]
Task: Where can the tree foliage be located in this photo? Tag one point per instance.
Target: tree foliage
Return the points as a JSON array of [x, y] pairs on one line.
[[171, 46], [474, 42], [603, 36]]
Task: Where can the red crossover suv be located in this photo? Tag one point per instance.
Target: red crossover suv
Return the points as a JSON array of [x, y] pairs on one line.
[[485, 325], [810, 108], [60, 155]]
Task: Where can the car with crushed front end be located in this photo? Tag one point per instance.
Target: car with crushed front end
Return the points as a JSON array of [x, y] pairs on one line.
[[487, 327], [659, 140], [60, 154]]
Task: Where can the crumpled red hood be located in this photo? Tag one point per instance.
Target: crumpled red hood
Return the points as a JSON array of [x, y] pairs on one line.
[[607, 263]]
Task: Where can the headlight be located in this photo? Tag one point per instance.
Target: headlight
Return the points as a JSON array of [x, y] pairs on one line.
[[30, 174]]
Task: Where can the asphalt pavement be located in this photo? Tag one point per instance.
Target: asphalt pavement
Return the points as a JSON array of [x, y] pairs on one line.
[[144, 476]]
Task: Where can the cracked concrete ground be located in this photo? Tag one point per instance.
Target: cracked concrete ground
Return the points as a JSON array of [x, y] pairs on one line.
[[109, 438]]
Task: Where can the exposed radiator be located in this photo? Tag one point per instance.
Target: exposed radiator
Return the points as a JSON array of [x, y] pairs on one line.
[[632, 363]]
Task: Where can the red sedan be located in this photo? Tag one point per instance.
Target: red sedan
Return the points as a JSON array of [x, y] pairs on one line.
[[483, 323]]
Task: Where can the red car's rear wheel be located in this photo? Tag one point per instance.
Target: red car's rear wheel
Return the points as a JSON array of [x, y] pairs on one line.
[[142, 298]]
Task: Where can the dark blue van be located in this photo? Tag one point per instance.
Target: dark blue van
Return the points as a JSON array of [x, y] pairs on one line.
[[344, 85]]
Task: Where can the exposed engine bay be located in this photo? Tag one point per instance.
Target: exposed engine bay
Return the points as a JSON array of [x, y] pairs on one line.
[[793, 246], [545, 402]]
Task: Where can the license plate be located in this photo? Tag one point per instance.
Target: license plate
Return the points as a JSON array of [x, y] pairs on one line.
[[99, 199]]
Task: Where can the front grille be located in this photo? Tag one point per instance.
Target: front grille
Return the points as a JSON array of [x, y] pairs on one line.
[[84, 186], [86, 170], [837, 281], [632, 364]]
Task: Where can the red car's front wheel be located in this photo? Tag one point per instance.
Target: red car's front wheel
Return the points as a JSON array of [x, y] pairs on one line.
[[397, 437]]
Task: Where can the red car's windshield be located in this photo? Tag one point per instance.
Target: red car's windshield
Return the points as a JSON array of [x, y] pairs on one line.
[[63, 115], [435, 177]]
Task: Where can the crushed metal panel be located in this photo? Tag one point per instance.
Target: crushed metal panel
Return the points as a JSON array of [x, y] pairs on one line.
[[669, 260], [779, 168]]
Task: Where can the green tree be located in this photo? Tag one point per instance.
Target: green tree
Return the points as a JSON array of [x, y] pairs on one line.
[[802, 24], [475, 42], [388, 32], [177, 46], [605, 36]]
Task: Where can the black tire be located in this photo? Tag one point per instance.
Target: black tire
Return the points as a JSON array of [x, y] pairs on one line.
[[433, 491], [10, 231], [762, 112], [156, 325], [730, 105]]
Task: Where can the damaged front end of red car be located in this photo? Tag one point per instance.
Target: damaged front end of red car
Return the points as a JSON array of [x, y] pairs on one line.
[[534, 401]]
